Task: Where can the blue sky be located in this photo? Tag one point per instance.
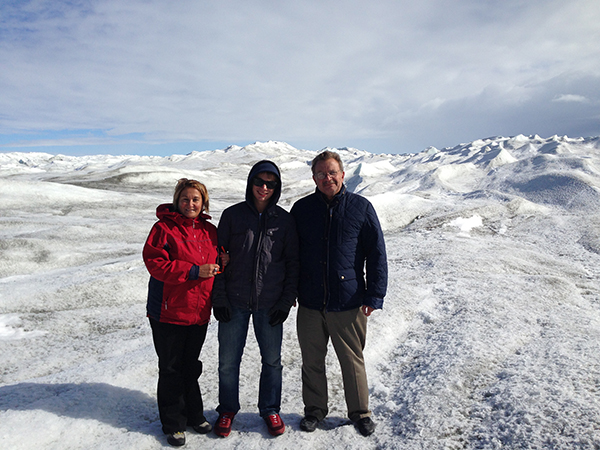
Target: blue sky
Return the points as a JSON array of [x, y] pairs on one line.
[[387, 76]]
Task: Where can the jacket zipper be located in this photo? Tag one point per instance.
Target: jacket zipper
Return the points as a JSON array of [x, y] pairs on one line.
[[200, 252], [326, 269], [254, 299]]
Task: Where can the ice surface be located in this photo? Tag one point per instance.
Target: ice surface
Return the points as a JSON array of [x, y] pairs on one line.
[[489, 337]]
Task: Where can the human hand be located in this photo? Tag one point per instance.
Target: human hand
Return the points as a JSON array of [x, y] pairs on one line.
[[224, 257], [367, 310], [209, 270], [277, 317], [222, 313]]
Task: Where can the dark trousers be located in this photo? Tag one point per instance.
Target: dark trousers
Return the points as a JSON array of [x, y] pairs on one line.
[[179, 398], [232, 340]]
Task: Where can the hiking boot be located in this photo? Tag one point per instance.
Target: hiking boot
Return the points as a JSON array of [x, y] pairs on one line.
[[223, 425], [309, 423], [203, 428], [274, 424], [176, 439], [365, 426]]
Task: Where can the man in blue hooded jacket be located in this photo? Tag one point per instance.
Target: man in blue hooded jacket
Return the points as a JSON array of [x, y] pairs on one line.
[[260, 281], [340, 236]]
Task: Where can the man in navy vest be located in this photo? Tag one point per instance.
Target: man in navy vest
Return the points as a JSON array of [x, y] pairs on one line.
[[340, 238]]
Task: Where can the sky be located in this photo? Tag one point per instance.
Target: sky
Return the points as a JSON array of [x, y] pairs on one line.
[[158, 77]]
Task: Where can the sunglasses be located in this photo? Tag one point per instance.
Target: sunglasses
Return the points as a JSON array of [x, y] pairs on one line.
[[257, 181]]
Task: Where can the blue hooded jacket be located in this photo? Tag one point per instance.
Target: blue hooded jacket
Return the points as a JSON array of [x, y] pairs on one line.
[[263, 249]]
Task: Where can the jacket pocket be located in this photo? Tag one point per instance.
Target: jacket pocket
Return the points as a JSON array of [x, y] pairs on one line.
[[346, 275], [349, 295]]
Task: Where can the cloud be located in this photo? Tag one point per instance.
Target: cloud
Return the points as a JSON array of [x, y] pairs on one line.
[[567, 98], [505, 110], [385, 73]]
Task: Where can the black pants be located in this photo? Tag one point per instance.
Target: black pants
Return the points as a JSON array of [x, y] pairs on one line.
[[179, 398]]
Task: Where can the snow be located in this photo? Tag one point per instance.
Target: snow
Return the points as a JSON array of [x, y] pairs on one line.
[[466, 225], [489, 337]]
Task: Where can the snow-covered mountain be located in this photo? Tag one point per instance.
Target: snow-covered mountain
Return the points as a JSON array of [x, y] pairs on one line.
[[488, 338]]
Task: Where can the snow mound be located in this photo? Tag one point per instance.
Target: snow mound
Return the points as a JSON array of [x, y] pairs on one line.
[[488, 338]]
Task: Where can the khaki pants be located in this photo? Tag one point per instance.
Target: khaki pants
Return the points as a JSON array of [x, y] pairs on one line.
[[348, 331]]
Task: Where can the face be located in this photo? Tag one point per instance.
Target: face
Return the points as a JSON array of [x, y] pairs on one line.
[[332, 180], [190, 203], [262, 194]]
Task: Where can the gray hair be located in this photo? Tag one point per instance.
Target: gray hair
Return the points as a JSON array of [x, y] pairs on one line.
[[324, 156]]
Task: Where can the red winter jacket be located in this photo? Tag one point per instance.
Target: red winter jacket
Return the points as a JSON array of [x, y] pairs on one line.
[[174, 250]]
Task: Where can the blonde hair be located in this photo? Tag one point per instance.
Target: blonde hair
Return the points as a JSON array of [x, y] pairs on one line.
[[184, 183]]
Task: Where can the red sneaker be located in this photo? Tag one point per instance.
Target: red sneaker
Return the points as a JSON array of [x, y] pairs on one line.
[[275, 424], [223, 425]]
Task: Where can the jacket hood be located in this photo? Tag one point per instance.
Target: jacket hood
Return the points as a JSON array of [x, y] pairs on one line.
[[263, 166], [167, 211]]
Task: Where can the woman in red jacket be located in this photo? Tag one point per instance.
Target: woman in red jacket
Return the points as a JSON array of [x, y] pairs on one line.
[[181, 254]]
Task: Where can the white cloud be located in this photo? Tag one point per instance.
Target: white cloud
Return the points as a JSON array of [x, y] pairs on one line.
[[567, 98], [312, 71]]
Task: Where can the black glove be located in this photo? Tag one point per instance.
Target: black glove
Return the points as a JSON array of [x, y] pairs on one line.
[[278, 316], [222, 313]]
